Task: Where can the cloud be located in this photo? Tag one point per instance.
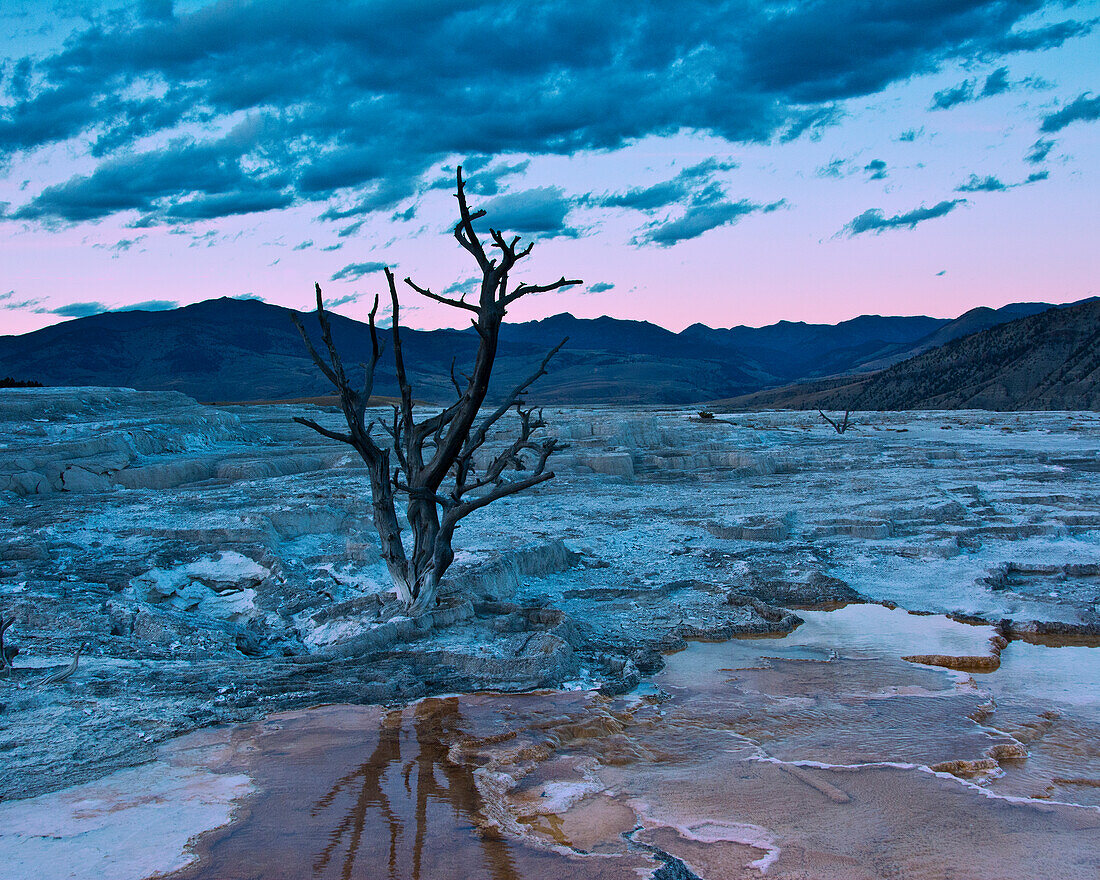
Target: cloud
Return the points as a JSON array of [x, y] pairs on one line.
[[911, 134], [1039, 151], [355, 271], [10, 304], [304, 245], [463, 286], [342, 300], [207, 207], [540, 210], [600, 287], [996, 83], [481, 178], [668, 192], [77, 309], [1082, 109], [1041, 38], [981, 184], [945, 99], [700, 218], [874, 220], [149, 305], [183, 181], [122, 245], [285, 107], [834, 169], [876, 168], [995, 184]]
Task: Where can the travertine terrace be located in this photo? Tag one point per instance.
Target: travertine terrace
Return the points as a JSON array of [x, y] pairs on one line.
[[221, 566]]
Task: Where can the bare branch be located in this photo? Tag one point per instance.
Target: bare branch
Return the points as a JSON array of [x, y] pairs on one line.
[[454, 303], [399, 363], [333, 435], [454, 381], [525, 289], [325, 368], [477, 437], [464, 229], [501, 490]]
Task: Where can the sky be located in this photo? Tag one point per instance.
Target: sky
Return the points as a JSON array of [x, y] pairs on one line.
[[717, 162]]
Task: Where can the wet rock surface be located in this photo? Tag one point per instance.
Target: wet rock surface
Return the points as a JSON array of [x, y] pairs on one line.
[[221, 563]]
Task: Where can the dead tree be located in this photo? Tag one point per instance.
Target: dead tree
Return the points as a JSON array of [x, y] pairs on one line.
[[5, 624], [435, 468], [840, 427]]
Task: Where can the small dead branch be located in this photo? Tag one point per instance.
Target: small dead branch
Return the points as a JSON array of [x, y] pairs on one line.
[[64, 674], [840, 427]]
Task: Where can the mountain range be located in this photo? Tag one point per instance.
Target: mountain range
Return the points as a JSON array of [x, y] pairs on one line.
[[243, 349], [1046, 361]]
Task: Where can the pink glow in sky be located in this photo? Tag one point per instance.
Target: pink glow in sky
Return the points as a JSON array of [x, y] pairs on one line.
[[721, 163]]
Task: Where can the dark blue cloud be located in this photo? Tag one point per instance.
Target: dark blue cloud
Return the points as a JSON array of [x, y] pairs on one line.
[[1040, 38], [542, 210], [990, 183], [9, 303], [351, 104], [77, 309], [996, 83], [876, 168], [1082, 109], [150, 305], [701, 217], [600, 287], [482, 179], [1039, 151], [835, 168], [945, 99], [874, 220], [355, 271], [304, 245], [981, 184], [184, 180], [668, 192]]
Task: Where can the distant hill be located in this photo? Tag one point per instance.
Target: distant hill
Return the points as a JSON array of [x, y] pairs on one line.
[[981, 318], [1046, 361], [237, 350]]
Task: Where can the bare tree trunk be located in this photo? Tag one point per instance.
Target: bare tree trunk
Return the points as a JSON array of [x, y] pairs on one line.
[[441, 448]]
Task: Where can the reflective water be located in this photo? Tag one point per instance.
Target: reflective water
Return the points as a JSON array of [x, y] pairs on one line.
[[820, 755]]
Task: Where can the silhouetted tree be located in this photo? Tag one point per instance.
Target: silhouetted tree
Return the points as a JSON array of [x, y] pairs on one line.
[[839, 427], [433, 465]]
